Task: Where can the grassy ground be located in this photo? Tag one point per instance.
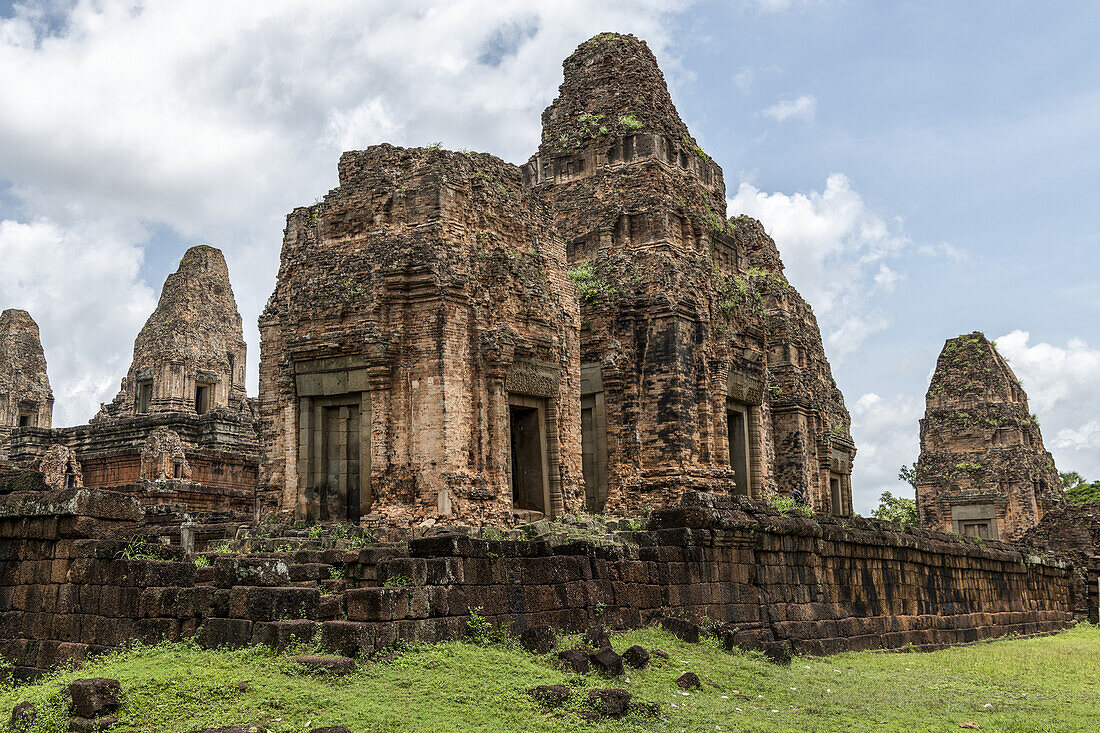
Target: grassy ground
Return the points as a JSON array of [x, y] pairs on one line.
[[1045, 684]]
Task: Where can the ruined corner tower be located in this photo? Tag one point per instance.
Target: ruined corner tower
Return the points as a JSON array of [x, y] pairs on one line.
[[26, 400], [983, 470], [702, 368], [419, 356]]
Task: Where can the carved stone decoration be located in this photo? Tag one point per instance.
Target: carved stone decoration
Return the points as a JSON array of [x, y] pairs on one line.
[[536, 380], [61, 469], [163, 457]]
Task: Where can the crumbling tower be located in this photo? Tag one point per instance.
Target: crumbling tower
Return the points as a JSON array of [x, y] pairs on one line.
[[419, 356], [702, 369], [190, 355], [983, 470], [26, 400]]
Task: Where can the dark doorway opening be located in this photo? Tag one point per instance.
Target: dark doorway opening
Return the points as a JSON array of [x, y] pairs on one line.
[[202, 399], [737, 434], [836, 497], [144, 397], [528, 477]]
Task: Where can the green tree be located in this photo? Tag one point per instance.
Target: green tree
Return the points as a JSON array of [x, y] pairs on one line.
[[896, 509], [908, 475], [1077, 489]]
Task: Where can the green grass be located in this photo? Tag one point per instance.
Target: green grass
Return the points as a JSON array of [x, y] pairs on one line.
[[1042, 684]]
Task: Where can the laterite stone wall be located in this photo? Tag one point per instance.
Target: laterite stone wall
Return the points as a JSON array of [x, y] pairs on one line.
[[823, 586]]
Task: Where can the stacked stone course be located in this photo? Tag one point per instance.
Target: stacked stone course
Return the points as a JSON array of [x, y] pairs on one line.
[[820, 585]]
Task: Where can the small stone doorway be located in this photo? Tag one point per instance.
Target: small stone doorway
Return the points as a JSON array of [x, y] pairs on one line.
[[737, 435], [529, 474]]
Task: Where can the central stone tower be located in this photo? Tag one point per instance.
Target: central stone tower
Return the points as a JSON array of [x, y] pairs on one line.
[[702, 369]]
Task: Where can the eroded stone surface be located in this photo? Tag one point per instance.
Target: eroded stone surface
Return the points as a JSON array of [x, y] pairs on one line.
[[983, 469], [419, 308]]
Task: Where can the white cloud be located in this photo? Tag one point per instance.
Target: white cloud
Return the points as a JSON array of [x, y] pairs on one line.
[[212, 120], [887, 433], [800, 108], [780, 6], [743, 79], [1060, 382], [833, 246], [83, 291]]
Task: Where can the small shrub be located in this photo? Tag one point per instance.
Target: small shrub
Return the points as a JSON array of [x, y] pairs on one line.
[[787, 504], [480, 630], [630, 122], [202, 561]]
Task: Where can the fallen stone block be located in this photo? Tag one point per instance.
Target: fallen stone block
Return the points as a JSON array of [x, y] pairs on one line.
[[689, 681], [636, 656], [682, 629], [95, 696], [606, 662], [551, 696], [539, 639], [611, 703], [326, 665], [576, 660]]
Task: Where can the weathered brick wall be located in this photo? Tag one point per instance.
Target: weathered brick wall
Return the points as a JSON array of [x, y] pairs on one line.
[[823, 586], [1070, 532]]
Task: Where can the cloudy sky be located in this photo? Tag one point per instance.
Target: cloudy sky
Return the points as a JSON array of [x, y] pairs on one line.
[[927, 168]]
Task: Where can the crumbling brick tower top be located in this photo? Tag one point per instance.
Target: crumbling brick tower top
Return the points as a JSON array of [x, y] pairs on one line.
[[701, 367], [26, 399], [419, 355], [983, 470], [190, 356]]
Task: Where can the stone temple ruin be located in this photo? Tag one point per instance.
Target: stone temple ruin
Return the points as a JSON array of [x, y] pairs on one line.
[[983, 470], [458, 350], [180, 431], [423, 355]]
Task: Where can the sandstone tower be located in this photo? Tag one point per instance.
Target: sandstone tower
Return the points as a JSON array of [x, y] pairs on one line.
[[702, 368], [419, 356], [983, 470], [190, 356], [26, 400]]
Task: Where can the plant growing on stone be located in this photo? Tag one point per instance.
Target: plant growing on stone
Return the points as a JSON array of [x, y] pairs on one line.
[[202, 561], [630, 122], [397, 581], [787, 504], [590, 287]]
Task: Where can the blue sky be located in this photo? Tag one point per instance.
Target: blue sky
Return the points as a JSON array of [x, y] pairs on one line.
[[927, 168]]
